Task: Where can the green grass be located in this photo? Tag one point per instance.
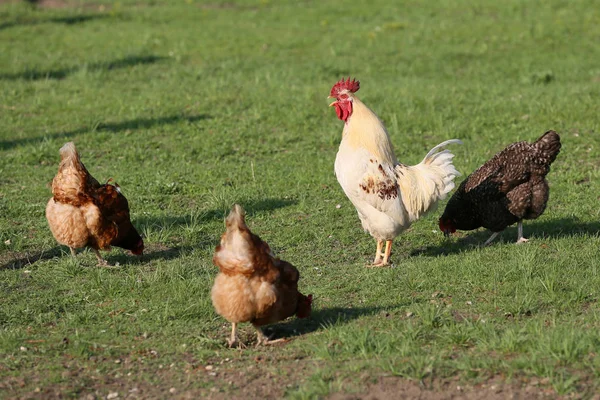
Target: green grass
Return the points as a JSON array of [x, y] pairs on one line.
[[192, 106]]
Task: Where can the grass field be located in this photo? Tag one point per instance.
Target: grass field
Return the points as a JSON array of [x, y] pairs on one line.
[[194, 105]]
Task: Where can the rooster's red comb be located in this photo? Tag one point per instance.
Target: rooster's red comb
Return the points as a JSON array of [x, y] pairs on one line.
[[351, 85]]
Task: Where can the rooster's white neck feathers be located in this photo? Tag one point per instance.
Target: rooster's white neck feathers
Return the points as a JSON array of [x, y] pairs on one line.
[[365, 130]]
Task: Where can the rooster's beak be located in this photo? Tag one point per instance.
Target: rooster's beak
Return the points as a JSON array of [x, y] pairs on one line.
[[333, 103]]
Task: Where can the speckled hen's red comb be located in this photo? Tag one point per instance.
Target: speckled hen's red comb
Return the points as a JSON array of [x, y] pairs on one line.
[[351, 85]]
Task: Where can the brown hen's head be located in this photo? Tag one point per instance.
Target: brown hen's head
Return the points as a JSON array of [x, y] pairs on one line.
[[115, 207], [343, 92], [304, 305]]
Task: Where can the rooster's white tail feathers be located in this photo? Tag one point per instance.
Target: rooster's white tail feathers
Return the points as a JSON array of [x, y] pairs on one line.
[[424, 184]]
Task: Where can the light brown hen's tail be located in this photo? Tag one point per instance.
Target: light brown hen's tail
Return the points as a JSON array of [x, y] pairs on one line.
[[237, 251], [236, 218]]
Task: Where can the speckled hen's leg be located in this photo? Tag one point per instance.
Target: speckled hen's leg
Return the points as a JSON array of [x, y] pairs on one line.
[[101, 261], [378, 253], [491, 239], [520, 238], [73, 252]]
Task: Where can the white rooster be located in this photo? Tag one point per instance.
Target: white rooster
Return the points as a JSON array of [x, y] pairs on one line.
[[389, 196]]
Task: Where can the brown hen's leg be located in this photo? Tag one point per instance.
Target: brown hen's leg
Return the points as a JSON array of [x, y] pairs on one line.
[[101, 261], [520, 238], [378, 254], [73, 252], [262, 339], [388, 252]]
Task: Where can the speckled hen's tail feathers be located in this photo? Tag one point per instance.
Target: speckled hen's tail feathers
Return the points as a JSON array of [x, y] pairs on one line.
[[548, 147], [424, 184]]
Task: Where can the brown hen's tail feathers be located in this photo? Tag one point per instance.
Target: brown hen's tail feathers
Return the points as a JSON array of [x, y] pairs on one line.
[[68, 151], [69, 157], [548, 146], [73, 182]]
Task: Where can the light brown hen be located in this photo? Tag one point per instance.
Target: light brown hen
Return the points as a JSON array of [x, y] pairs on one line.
[[253, 285]]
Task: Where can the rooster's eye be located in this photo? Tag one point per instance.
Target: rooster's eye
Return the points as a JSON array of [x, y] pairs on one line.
[[343, 96]]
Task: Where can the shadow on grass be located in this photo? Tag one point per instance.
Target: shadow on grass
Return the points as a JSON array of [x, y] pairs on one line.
[[537, 231], [320, 319], [113, 257], [124, 258], [22, 260], [66, 20], [112, 127], [61, 73], [251, 207]]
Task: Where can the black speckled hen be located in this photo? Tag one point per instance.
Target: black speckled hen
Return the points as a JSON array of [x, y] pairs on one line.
[[508, 188]]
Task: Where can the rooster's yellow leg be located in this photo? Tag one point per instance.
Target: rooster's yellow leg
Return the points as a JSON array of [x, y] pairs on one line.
[[73, 253], [101, 261], [388, 251], [378, 254]]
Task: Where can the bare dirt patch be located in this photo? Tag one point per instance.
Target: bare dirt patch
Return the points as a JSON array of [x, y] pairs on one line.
[[399, 388], [248, 376]]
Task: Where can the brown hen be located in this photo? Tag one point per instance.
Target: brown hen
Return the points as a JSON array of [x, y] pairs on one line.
[[84, 213], [508, 188], [253, 285]]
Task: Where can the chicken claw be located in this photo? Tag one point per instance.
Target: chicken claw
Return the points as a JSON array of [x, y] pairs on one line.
[[491, 239], [262, 339], [233, 340], [379, 262], [520, 238], [101, 261], [235, 343]]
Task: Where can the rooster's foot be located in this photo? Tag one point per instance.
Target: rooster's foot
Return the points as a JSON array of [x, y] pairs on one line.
[[380, 263]]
